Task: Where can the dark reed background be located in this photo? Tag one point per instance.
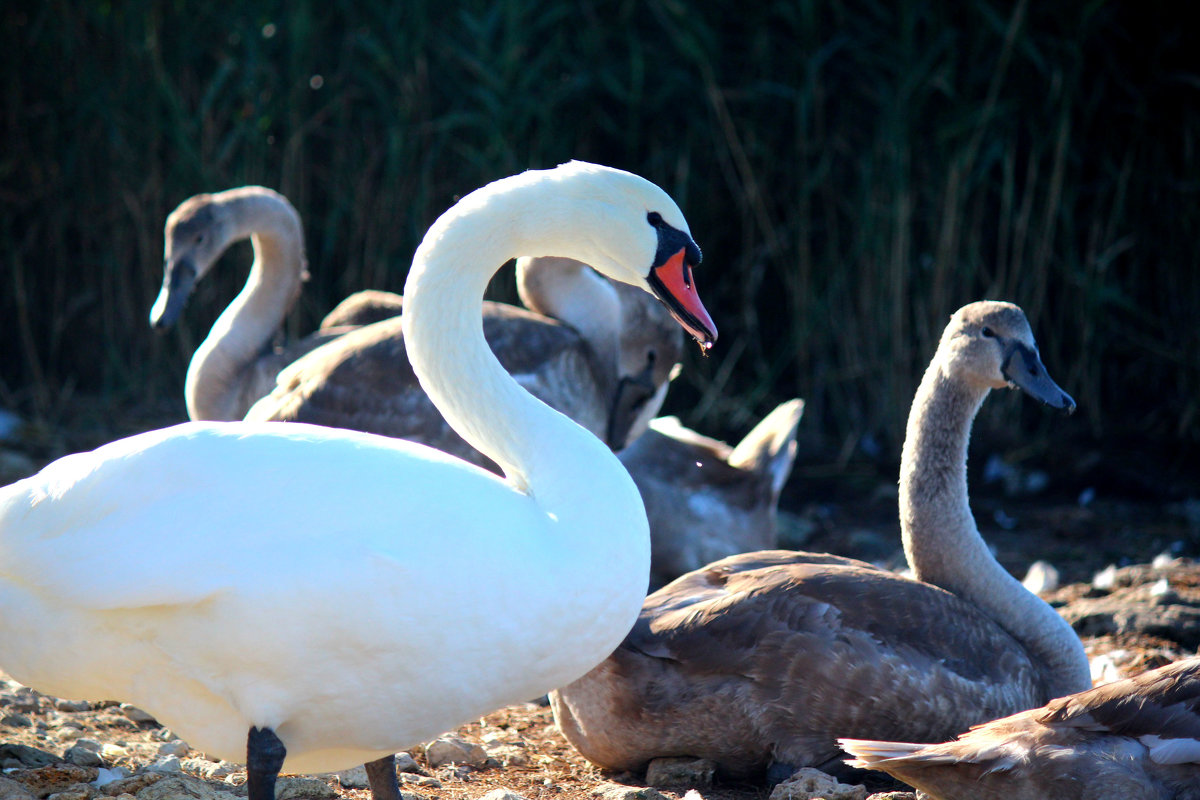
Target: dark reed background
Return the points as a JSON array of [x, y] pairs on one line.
[[855, 170]]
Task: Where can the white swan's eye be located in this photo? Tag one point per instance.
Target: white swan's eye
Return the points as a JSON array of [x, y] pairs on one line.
[[199, 238], [655, 219], [987, 333]]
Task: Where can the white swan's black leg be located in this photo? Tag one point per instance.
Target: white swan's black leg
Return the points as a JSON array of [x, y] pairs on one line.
[[264, 758], [382, 777], [381, 774]]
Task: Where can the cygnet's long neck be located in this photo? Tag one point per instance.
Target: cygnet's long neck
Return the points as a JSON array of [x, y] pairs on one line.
[[572, 292], [222, 363], [942, 542], [568, 470]]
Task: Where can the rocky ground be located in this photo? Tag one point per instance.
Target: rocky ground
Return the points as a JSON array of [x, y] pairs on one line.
[[1131, 618]]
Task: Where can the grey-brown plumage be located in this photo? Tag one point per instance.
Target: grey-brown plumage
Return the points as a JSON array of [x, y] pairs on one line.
[[363, 308], [707, 500], [1133, 739], [238, 361], [765, 659]]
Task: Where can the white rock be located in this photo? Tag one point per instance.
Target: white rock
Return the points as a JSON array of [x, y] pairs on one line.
[[406, 763], [1162, 560], [107, 776], [809, 783], [1105, 578], [1109, 667], [502, 794], [176, 747], [1160, 588], [167, 764], [453, 750], [112, 752], [1041, 578], [210, 770], [353, 778], [619, 791]]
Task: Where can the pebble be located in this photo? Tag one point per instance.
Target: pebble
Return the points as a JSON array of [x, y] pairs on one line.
[[82, 757], [25, 756], [1041, 578], [447, 750], [353, 778], [502, 794], [509, 755], [13, 790], [406, 763], [16, 721], [307, 788], [72, 705], [106, 776], [112, 752], [210, 770], [81, 791], [680, 772], [809, 783], [136, 714], [176, 747], [619, 791], [166, 764]]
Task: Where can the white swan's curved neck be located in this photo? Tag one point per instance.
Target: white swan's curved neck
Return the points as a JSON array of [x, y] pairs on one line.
[[222, 363], [942, 542], [540, 450]]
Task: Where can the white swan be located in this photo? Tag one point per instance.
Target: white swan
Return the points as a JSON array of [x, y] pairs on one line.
[[284, 571], [760, 661], [236, 364], [608, 368]]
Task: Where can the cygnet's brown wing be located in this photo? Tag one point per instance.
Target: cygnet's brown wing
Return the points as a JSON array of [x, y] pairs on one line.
[[793, 650], [363, 381]]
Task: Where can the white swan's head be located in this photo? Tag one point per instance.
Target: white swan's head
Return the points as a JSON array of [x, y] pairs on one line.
[[990, 343], [625, 227], [198, 232]]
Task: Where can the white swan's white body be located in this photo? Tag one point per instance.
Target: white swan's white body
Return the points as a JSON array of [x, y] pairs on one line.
[[355, 594]]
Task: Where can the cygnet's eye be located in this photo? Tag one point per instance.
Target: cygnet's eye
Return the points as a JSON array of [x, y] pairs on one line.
[[987, 333]]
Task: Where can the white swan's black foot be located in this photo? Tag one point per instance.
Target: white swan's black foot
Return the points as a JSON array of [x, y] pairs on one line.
[[381, 774], [264, 758]]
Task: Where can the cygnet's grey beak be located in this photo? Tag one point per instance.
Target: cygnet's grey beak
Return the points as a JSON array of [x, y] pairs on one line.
[[1023, 368]]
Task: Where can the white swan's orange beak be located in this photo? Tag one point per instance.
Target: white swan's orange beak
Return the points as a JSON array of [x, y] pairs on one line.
[[673, 284]]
